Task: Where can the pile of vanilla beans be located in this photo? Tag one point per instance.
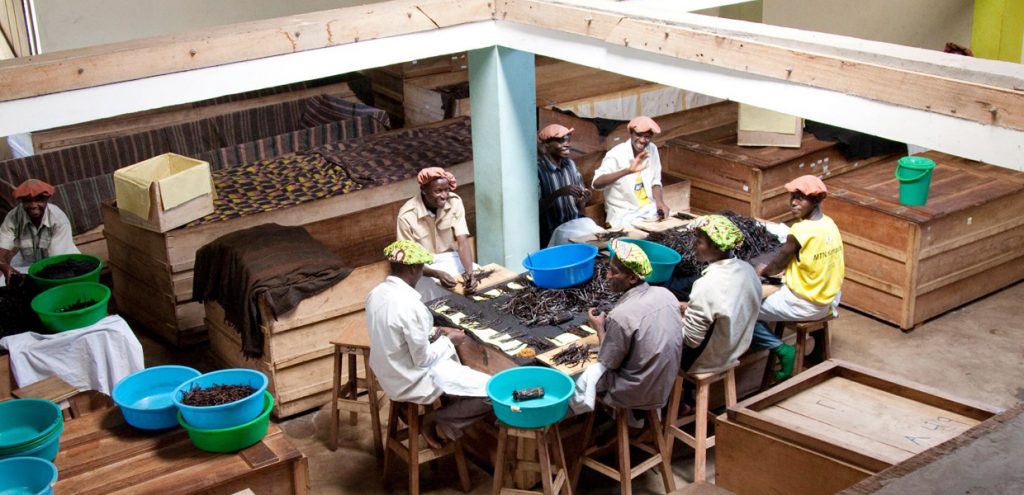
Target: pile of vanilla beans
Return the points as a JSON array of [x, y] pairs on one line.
[[756, 241], [534, 306]]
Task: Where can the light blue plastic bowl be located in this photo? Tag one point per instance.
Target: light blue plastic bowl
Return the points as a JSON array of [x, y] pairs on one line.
[[27, 476], [145, 397], [536, 413], [561, 266], [46, 449], [225, 415], [25, 422]]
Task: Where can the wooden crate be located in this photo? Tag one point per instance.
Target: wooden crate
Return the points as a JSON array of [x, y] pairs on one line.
[[749, 181], [830, 427], [100, 455], [155, 269], [907, 264], [388, 83], [298, 357]]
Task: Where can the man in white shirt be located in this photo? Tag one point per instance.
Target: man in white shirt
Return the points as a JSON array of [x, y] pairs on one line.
[[630, 177], [413, 361], [33, 230]]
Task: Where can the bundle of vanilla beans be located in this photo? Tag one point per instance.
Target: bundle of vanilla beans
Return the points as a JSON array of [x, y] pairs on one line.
[[534, 306], [756, 241]]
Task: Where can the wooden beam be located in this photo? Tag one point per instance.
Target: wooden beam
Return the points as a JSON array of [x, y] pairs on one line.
[[104, 64], [990, 105]]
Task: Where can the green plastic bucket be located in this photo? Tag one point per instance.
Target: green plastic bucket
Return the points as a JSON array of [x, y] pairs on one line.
[[915, 176], [46, 283], [48, 305]]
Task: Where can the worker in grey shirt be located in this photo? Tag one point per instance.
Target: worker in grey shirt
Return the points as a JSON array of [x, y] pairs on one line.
[[718, 322], [640, 340]]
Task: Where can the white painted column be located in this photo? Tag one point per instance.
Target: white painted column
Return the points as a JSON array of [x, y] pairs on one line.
[[502, 88]]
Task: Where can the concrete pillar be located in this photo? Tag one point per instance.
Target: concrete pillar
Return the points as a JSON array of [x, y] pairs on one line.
[[502, 89]]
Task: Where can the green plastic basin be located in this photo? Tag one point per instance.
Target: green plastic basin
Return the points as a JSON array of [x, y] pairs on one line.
[[234, 438], [46, 305], [46, 283]]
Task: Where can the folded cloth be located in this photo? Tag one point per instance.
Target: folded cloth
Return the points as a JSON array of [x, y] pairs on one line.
[[92, 358], [280, 265]]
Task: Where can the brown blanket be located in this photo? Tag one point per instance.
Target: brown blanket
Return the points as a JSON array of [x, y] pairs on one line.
[[281, 265]]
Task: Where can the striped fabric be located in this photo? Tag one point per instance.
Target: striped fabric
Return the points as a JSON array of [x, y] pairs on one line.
[[82, 174]]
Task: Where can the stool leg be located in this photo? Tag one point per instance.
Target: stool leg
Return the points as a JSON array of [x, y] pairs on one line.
[[801, 348], [541, 437], [701, 433], [826, 342], [588, 429], [499, 461], [371, 388], [622, 428], [391, 434], [672, 415], [333, 443], [560, 459], [666, 462], [730, 387], [413, 420], [766, 378], [460, 464], [353, 387]]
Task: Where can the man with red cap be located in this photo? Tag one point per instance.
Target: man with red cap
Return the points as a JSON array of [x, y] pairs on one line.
[[812, 258], [436, 219], [630, 177], [563, 196], [33, 230]]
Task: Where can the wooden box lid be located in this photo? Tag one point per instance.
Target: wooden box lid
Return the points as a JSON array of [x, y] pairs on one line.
[[859, 416], [720, 142], [957, 184]]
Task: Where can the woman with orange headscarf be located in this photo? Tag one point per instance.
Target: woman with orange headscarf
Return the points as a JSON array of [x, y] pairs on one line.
[[436, 219], [33, 230]]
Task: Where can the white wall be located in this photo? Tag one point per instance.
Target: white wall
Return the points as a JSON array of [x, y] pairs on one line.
[[65, 24], [919, 23]]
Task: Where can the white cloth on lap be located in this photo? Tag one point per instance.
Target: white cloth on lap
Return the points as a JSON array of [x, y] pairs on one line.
[[573, 229], [91, 358]]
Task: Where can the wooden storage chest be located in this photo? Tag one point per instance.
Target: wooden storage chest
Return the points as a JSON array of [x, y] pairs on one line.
[[905, 264], [100, 455], [831, 427], [297, 351], [152, 271], [747, 180]]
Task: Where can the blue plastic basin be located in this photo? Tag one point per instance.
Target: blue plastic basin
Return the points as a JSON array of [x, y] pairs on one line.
[[25, 422], [561, 266], [663, 258], [536, 413], [46, 448], [146, 396], [27, 475], [225, 415]]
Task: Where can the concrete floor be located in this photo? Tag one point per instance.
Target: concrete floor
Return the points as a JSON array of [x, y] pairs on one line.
[[975, 352]]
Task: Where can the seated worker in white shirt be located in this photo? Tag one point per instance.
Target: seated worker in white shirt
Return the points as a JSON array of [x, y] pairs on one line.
[[630, 177], [33, 230], [413, 361]]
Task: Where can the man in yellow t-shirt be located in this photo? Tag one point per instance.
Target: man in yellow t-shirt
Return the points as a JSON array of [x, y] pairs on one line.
[[812, 258]]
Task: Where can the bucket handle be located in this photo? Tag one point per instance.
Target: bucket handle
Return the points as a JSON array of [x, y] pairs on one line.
[[904, 179]]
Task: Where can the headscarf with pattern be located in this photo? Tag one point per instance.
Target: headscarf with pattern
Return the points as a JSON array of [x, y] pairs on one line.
[[408, 252], [633, 257], [723, 233]]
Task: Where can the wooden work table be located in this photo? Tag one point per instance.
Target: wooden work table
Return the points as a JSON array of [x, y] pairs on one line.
[[101, 454]]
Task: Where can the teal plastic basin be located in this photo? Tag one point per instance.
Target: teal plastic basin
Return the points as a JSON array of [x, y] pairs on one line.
[[663, 258], [536, 413]]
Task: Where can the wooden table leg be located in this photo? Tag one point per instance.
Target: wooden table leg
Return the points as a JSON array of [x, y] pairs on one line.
[[371, 388], [333, 443], [353, 387]]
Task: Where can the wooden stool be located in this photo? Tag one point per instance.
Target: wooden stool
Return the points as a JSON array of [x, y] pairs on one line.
[[700, 441], [802, 329], [346, 397], [411, 451], [626, 472], [543, 437]]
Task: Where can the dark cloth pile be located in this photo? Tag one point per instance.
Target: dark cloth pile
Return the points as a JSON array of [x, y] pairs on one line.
[[852, 144], [280, 265]]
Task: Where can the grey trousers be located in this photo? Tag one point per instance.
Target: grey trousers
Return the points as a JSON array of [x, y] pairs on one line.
[[460, 413]]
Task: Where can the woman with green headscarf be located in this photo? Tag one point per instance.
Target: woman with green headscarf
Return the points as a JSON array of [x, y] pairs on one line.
[[718, 322]]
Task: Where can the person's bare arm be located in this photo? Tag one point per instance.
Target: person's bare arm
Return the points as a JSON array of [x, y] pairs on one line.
[[778, 263], [638, 164], [6, 255], [469, 281], [663, 209]]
